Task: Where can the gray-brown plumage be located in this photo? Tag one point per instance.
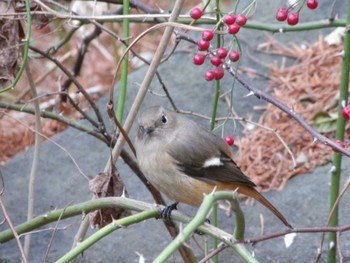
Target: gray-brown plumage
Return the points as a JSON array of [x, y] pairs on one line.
[[186, 161]]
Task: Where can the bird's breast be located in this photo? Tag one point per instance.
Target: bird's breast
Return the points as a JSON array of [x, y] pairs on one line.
[[162, 172]]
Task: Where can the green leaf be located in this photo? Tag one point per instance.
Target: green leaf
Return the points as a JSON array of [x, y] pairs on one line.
[[325, 122]]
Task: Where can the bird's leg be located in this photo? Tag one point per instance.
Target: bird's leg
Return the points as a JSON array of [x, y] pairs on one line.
[[166, 212]]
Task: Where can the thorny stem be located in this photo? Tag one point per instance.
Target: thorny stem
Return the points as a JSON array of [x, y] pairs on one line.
[[212, 123], [265, 96], [339, 135], [125, 65]]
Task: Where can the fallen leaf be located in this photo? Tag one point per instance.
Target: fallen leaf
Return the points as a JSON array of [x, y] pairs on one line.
[[107, 185]]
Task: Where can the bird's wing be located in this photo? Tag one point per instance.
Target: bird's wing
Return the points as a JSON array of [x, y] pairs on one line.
[[193, 159]]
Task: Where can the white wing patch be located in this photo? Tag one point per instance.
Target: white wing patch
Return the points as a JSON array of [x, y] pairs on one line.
[[215, 161]]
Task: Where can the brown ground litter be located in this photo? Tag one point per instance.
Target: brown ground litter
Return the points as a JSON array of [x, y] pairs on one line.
[[309, 86]]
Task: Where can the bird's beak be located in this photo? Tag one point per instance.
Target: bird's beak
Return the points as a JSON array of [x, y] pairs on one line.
[[149, 130], [144, 131]]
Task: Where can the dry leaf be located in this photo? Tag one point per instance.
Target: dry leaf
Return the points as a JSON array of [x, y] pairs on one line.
[[10, 43], [106, 185]]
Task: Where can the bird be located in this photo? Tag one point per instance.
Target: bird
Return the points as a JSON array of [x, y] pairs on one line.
[[186, 161]]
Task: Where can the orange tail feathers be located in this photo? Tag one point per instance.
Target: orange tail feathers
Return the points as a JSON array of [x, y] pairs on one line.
[[251, 192]]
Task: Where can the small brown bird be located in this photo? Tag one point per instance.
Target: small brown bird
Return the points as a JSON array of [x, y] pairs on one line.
[[186, 161]]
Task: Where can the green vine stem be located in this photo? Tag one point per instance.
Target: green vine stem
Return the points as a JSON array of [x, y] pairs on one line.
[[199, 219], [94, 238], [212, 123], [78, 209], [125, 64], [139, 206], [217, 82], [205, 20], [54, 116], [240, 221], [337, 157]]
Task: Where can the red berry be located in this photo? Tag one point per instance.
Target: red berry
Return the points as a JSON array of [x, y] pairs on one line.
[[282, 14], [207, 35], [241, 20], [216, 61], [233, 56], [233, 29], [312, 4], [209, 75], [196, 13], [293, 19], [198, 59], [341, 144], [219, 73], [229, 19], [221, 52], [346, 112], [203, 44], [229, 140]]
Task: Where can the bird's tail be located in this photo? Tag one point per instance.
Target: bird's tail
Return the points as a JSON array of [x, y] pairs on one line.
[[251, 192]]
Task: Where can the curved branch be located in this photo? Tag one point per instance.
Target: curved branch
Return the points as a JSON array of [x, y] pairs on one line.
[[265, 96]]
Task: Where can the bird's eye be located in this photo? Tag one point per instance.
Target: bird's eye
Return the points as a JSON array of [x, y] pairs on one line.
[[164, 119]]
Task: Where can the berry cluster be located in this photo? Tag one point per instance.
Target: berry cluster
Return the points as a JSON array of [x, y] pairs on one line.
[[292, 18], [221, 55]]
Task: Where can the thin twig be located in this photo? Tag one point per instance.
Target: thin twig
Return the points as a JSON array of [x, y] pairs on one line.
[[52, 141], [42, 77], [43, 230], [274, 131], [340, 255], [81, 55], [339, 229], [77, 84], [74, 80], [51, 103], [9, 222], [100, 125], [263, 95], [336, 204], [34, 168], [216, 251], [53, 235], [55, 116]]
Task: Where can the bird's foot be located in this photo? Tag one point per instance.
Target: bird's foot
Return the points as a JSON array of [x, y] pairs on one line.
[[166, 212]]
